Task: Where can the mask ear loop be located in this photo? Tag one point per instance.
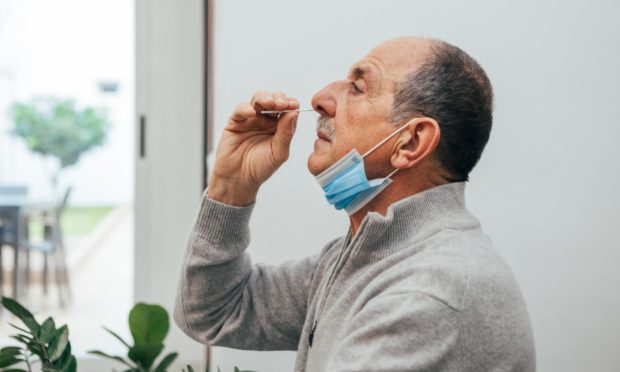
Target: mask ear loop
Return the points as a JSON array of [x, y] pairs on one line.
[[387, 139], [391, 174]]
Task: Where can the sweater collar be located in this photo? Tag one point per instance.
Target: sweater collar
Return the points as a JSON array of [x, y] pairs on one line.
[[412, 219]]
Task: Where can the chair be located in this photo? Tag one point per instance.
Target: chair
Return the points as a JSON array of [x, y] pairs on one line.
[[52, 247]]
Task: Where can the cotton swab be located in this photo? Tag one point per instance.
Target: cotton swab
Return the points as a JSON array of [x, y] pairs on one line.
[[283, 111]]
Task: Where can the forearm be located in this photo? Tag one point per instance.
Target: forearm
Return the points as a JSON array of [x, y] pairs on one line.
[[214, 267], [225, 300]]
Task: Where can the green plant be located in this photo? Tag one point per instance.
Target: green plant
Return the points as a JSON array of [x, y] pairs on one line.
[[57, 128], [50, 344], [149, 326]]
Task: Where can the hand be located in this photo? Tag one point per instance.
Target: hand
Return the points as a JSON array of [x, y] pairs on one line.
[[253, 146]]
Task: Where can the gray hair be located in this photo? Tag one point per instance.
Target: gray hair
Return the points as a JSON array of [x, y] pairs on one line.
[[453, 89]]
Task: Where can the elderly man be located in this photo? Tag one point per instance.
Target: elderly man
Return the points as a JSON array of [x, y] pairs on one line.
[[415, 285]]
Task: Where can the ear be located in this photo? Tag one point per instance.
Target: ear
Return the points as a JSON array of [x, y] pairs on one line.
[[416, 143]]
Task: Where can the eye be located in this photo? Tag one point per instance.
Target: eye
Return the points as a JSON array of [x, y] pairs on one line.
[[355, 88]]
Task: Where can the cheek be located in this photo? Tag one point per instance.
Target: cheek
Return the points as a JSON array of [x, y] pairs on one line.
[[350, 132], [346, 124], [356, 121], [345, 141]]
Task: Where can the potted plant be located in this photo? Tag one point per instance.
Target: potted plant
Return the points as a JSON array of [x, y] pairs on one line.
[[44, 341], [46, 344]]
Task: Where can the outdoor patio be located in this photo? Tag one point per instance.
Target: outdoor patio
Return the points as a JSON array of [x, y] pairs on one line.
[[100, 272]]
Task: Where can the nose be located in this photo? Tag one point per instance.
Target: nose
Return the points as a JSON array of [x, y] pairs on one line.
[[324, 101]]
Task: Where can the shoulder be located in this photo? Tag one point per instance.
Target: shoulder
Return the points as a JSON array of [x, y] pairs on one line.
[[459, 274], [452, 266]]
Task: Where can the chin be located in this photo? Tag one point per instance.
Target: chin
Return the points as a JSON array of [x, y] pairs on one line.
[[317, 164]]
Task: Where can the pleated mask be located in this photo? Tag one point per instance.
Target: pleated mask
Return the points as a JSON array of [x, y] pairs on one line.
[[345, 183]]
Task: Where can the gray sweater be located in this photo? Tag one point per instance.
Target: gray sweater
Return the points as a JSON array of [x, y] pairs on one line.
[[420, 289]]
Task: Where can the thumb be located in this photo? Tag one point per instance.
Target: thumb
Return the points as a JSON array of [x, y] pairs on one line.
[[281, 143]]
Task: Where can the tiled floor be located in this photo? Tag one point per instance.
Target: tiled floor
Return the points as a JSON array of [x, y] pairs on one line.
[[102, 294]]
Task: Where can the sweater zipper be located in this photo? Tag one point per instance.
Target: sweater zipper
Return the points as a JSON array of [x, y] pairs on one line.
[[332, 277]]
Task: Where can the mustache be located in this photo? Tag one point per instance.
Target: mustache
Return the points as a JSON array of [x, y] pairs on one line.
[[325, 125]]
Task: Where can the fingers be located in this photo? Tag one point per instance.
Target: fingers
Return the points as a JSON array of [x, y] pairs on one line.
[[281, 142], [247, 118], [293, 103], [243, 112], [278, 101]]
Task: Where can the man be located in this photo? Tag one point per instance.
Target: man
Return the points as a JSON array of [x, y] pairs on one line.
[[415, 285]]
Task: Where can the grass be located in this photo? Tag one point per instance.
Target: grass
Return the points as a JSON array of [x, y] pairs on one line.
[[76, 221]]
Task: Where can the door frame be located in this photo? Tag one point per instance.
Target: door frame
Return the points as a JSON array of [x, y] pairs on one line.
[[171, 140]]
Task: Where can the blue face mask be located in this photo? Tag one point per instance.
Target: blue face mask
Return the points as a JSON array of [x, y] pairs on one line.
[[345, 183]]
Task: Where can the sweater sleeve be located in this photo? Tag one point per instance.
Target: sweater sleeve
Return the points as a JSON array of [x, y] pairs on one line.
[[397, 332], [224, 300]]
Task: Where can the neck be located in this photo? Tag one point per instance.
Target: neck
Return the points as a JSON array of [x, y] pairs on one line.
[[401, 188]]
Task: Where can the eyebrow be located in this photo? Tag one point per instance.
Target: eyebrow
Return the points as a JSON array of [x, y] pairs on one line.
[[366, 73], [359, 72]]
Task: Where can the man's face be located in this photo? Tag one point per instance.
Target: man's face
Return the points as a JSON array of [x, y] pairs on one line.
[[355, 111]]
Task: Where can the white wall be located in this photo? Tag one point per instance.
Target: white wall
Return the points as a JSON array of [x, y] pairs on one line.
[[545, 189]]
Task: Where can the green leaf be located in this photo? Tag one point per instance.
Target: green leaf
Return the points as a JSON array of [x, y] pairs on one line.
[[145, 355], [16, 308], [32, 325], [238, 370], [48, 328], [6, 362], [22, 313], [22, 338], [62, 363], [113, 357], [37, 349], [58, 343], [14, 370], [118, 337], [10, 351], [148, 324], [72, 364], [165, 363], [19, 328]]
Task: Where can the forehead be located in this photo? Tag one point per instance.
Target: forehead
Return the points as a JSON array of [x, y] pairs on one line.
[[392, 60]]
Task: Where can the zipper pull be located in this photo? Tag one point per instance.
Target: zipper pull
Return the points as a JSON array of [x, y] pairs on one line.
[[312, 333]]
